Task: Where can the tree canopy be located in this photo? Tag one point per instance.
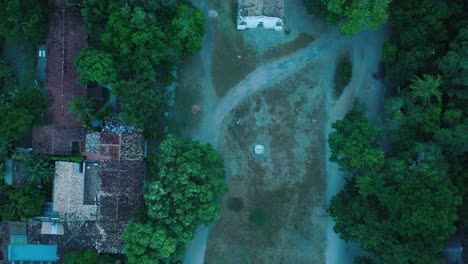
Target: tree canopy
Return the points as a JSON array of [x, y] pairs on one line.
[[184, 194], [95, 66], [23, 20], [144, 41], [353, 143], [358, 15], [21, 204]]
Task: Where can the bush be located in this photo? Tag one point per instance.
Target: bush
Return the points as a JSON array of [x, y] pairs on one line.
[[258, 217], [344, 72], [235, 204]]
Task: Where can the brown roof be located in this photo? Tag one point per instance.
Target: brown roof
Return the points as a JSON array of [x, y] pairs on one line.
[[273, 8], [65, 39], [55, 139], [119, 193]]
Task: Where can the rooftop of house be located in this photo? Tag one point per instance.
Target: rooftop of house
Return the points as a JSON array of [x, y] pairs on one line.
[[117, 141], [116, 192], [65, 39], [272, 8]]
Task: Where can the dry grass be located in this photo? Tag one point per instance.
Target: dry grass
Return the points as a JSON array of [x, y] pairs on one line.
[[301, 41], [287, 186]]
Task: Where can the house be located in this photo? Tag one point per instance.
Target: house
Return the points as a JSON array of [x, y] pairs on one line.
[[94, 200], [65, 40], [268, 14]]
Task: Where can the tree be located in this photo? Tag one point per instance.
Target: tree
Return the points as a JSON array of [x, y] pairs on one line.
[[95, 66], [33, 101], [39, 168], [353, 143], [148, 243], [14, 122], [137, 42], [453, 64], [23, 21], [426, 88], [20, 110], [408, 221], [185, 194], [358, 14], [22, 203], [142, 106], [419, 38], [89, 256], [82, 107], [189, 25]]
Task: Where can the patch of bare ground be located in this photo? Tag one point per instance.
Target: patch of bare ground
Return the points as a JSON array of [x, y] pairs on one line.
[[237, 53], [301, 41], [282, 217]]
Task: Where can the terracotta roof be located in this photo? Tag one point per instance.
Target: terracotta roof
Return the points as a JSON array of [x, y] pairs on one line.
[[65, 39]]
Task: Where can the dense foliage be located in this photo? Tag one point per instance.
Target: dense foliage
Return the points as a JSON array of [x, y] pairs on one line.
[[89, 256], [140, 44], [95, 66], [39, 168], [353, 144], [358, 14], [21, 109], [405, 211], [21, 204], [23, 21], [189, 181]]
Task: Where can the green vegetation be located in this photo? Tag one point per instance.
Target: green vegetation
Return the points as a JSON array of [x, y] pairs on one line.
[[235, 204], [405, 209], [20, 110], [21, 203], [183, 195], [83, 108], [23, 21], [343, 74], [95, 66], [358, 14], [353, 144], [89, 256], [258, 217], [39, 168], [140, 44]]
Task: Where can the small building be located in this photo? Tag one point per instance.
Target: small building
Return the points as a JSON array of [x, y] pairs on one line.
[[268, 14], [95, 199]]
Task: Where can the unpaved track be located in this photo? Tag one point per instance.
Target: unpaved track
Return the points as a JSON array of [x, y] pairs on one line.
[[366, 54]]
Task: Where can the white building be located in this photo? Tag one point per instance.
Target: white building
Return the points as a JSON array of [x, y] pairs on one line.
[[264, 13]]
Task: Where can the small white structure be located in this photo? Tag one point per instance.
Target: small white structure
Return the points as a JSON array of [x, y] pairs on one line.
[[259, 149], [260, 13]]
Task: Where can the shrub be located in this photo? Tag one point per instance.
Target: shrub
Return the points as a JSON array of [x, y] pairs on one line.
[[235, 204]]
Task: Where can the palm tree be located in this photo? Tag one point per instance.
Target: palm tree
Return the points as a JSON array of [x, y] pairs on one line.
[[425, 88], [39, 168], [83, 107]]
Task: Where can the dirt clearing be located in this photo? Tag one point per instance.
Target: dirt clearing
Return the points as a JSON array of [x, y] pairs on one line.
[[282, 193]]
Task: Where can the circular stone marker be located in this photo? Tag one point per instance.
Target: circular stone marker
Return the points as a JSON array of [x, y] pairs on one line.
[[259, 149]]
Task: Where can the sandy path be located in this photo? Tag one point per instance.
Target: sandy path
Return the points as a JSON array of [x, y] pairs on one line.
[[366, 54]]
